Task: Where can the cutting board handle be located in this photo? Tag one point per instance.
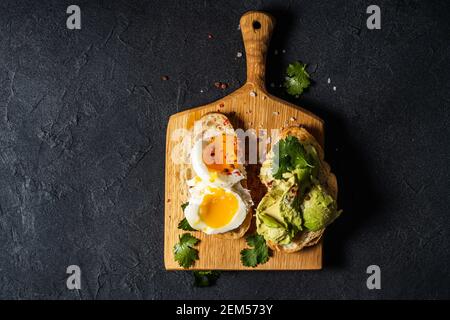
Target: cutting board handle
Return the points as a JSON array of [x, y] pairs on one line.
[[256, 28]]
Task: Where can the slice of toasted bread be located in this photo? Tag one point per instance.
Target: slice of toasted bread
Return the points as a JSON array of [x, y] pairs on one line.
[[215, 122], [326, 178]]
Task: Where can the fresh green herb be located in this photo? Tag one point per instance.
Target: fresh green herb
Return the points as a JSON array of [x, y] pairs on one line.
[[297, 79], [205, 278], [184, 205], [291, 156], [184, 252], [184, 224], [259, 254]]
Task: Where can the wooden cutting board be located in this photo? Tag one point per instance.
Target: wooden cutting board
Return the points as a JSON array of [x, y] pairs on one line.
[[251, 106]]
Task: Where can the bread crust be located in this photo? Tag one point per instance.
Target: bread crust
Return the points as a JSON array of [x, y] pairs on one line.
[[326, 178], [220, 122]]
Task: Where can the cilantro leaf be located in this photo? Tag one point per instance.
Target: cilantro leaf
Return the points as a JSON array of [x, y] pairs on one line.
[[184, 225], [184, 252], [259, 254], [205, 278], [290, 155], [297, 79], [249, 258]]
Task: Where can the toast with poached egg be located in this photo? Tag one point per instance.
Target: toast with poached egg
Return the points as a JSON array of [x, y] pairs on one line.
[[218, 201]]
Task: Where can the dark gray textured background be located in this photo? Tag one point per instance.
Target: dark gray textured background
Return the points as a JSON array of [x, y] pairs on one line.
[[82, 130]]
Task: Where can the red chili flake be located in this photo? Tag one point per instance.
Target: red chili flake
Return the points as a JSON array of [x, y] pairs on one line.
[[226, 122], [220, 85], [221, 105], [164, 78]]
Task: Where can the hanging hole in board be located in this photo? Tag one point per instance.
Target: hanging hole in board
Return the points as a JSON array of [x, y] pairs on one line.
[[256, 25]]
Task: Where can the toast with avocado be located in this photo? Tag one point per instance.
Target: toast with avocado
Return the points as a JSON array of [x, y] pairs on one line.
[[301, 193]]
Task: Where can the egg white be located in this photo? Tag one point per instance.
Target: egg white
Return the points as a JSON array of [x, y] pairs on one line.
[[198, 190], [217, 179]]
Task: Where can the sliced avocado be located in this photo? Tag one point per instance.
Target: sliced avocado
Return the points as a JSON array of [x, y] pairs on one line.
[[290, 209], [270, 222], [277, 218], [319, 209]]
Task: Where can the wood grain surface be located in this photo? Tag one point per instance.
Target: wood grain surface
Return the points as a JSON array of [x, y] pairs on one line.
[[251, 106]]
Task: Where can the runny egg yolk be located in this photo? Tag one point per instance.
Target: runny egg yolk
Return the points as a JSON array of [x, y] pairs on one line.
[[220, 155], [218, 208]]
